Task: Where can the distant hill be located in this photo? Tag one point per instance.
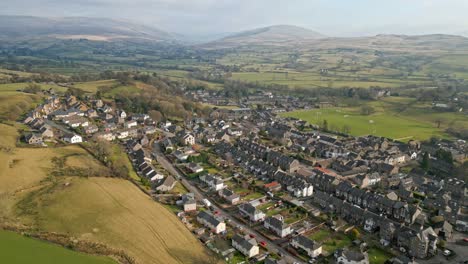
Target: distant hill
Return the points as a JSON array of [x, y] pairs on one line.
[[27, 27], [273, 35]]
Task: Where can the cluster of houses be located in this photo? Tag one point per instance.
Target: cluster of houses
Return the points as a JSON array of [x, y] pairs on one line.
[[71, 120], [342, 184], [142, 161]]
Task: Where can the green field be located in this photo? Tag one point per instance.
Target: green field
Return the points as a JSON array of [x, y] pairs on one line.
[[17, 249], [92, 87], [397, 118]]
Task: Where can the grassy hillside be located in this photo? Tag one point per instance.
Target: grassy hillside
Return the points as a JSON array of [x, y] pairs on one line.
[[110, 211], [14, 247]]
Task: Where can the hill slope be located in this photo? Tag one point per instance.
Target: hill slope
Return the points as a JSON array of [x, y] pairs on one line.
[[25, 27], [280, 34]]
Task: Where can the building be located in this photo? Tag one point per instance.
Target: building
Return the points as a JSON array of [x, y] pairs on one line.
[[188, 202], [347, 256], [194, 167], [312, 248], [213, 182], [211, 222], [167, 185], [73, 138], [277, 226], [33, 139], [245, 245], [229, 196], [187, 139], [418, 244], [248, 210]]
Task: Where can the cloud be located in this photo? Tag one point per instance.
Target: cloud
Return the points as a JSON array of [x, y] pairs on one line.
[[204, 16]]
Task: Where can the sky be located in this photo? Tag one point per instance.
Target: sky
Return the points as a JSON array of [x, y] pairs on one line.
[[329, 17]]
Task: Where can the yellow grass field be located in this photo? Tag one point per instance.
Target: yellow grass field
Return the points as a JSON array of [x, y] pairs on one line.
[[105, 210]]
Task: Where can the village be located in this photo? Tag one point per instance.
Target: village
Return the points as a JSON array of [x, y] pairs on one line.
[[260, 188]]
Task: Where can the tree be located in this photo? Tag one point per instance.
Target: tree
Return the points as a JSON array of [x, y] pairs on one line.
[[355, 234], [33, 88], [325, 125], [155, 115], [425, 161], [367, 110]]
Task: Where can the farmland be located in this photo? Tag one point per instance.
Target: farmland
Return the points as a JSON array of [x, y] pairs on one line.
[[14, 245], [395, 118]]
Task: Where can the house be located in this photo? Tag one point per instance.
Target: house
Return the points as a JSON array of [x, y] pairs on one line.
[[109, 127], [130, 124], [312, 248], [180, 155], [33, 139], [122, 114], [186, 138], [72, 138], [230, 196], [194, 167], [277, 226], [108, 136], [167, 144], [272, 187], [188, 202], [167, 185], [366, 180], [211, 222], [91, 129], [419, 244], [122, 134], [213, 182], [245, 245], [149, 130], [347, 256], [91, 113], [248, 210], [443, 229], [46, 132]]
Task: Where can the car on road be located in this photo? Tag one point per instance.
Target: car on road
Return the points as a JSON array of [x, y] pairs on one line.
[[465, 239], [263, 243], [447, 252], [252, 235]]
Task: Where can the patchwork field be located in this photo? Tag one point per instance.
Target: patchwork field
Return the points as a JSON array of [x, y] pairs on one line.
[[14, 247], [397, 118]]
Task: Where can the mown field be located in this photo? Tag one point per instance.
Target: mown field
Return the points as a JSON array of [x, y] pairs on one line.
[[397, 118], [105, 210], [17, 249]]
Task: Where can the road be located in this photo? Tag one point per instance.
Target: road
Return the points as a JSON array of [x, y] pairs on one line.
[[271, 246]]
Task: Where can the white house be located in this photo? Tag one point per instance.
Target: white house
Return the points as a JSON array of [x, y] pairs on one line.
[[72, 138], [351, 257], [247, 209], [214, 182], [247, 246], [131, 124], [188, 139], [276, 225], [312, 248], [211, 222]]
